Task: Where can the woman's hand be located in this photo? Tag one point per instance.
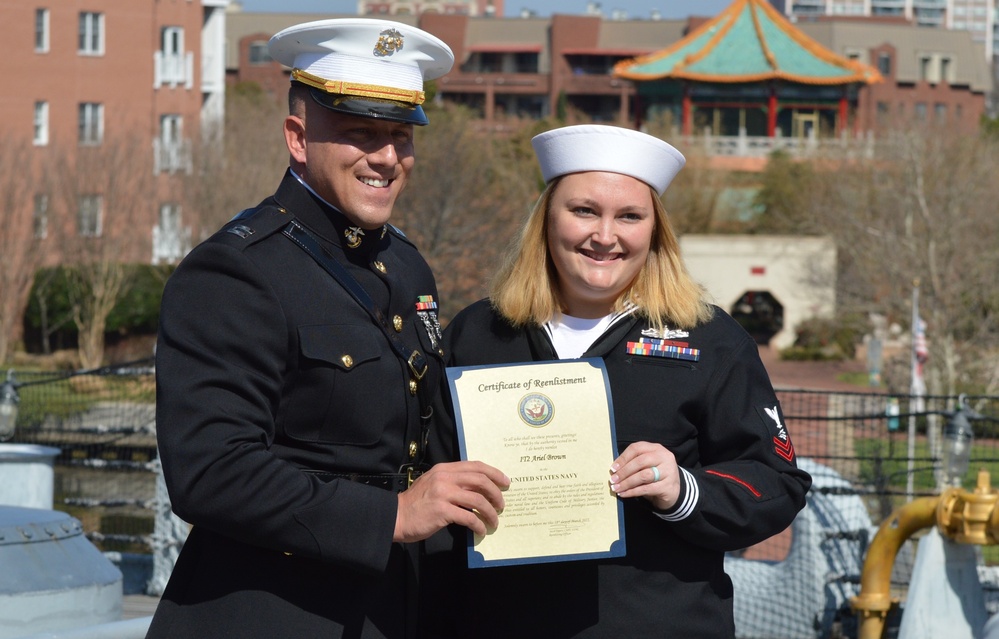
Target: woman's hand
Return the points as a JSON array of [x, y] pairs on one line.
[[647, 470]]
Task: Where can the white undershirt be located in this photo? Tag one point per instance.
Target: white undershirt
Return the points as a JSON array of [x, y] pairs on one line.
[[571, 336]]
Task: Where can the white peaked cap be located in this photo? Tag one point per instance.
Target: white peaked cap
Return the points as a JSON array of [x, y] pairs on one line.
[[348, 49], [597, 147], [362, 59]]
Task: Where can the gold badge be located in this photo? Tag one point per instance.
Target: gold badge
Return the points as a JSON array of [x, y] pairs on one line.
[[389, 41], [397, 323], [353, 235], [380, 266]]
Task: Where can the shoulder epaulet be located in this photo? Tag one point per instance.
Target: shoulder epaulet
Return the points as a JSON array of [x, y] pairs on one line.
[[253, 224]]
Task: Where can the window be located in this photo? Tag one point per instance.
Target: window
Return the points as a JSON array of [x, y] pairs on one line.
[[173, 40], [170, 129], [91, 33], [173, 65], [40, 216], [41, 123], [170, 217], [42, 30], [921, 111], [91, 123], [883, 112], [940, 112], [171, 151], [89, 216], [170, 240], [945, 70], [884, 64], [924, 68], [258, 52]]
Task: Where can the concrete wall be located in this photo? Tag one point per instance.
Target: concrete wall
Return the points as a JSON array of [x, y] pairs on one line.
[[800, 272]]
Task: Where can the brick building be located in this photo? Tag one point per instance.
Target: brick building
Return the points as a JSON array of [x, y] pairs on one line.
[[124, 85], [526, 67]]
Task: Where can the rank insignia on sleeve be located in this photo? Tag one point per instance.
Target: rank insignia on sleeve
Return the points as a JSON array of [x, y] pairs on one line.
[[426, 310], [782, 441]]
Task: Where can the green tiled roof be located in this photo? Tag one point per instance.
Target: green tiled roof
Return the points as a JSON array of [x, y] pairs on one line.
[[748, 42]]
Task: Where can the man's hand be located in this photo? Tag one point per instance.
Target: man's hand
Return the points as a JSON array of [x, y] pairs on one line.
[[466, 493]]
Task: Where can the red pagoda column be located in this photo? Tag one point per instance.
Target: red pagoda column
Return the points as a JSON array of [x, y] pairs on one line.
[[687, 111], [843, 114], [772, 112]]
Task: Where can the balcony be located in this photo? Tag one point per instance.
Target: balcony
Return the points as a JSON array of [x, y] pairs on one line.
[[170, 245], [596, 85], [173, 70], [506, 83], [171, 157]]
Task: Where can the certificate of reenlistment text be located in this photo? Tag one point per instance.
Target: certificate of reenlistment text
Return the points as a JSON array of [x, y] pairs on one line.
[[550, 427]]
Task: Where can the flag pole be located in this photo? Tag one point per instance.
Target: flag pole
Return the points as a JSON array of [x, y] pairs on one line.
[[914, 391]]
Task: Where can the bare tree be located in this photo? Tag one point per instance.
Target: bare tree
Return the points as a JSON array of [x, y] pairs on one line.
[[242, 166], [469, 192], [923, 209], [19, 250], [108, 196]]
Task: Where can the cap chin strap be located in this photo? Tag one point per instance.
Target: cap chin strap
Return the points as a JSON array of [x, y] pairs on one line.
[[343, 87]]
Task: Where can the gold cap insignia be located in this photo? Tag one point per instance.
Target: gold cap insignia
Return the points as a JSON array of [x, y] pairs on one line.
[[389, 41]]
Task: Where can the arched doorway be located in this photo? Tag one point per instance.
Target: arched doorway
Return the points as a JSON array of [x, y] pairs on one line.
[[760, 313]]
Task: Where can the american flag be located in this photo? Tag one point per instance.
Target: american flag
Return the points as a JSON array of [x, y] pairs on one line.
[[920, 353]]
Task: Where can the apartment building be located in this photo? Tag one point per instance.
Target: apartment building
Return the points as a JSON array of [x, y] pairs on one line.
[[977, 17], [116, 88], [386, 8], [528, 67]]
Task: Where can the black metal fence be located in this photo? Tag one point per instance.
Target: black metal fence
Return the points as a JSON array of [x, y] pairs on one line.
[[103, 423], [868, 452]]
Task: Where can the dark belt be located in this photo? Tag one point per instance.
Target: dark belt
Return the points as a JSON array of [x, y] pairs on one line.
[[396, 482]]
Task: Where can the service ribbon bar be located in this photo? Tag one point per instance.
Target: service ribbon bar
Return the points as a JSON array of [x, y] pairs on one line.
[[651, 347], [426, 303]]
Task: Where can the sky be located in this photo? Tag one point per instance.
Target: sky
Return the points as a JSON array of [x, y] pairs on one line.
[[512, 8]]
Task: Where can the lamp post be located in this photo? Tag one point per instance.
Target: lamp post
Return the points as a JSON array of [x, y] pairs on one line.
[[9, 401], [957, 439]]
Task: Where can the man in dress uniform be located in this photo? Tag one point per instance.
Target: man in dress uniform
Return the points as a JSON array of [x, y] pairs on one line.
[[297, 362]]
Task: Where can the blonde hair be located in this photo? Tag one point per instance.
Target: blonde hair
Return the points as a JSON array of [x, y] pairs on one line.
[[525, 289]]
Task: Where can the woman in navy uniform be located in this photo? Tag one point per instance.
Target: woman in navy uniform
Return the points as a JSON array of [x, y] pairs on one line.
[[298, 356], [705, 461]]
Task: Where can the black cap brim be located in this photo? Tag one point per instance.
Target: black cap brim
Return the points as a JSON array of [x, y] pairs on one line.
[[368, 108]]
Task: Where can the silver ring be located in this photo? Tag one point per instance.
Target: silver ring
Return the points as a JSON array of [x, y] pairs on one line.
[[655, 474]]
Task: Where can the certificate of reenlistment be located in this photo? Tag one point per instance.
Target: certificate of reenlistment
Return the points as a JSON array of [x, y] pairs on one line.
[[550, 427]]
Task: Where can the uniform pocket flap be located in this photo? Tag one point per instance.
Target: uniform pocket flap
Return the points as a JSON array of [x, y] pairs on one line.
[[345, 346]]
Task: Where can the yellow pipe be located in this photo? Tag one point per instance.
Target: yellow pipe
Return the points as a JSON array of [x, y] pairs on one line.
[[962, 516], [874, 600]]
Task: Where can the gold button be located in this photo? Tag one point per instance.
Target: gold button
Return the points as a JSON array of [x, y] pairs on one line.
[[347, 360], [440, 351], [287, 554], [412, 387], [397, 324], [379, 266], [413, 449], [281, 210]]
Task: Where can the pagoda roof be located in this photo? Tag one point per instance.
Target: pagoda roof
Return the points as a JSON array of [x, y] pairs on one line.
[[748, 42]]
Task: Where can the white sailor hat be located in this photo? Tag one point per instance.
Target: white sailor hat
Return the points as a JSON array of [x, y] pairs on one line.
[[361, 66], [597, 147]]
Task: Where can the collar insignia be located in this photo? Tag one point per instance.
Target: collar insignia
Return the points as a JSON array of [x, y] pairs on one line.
[[353, 235]]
